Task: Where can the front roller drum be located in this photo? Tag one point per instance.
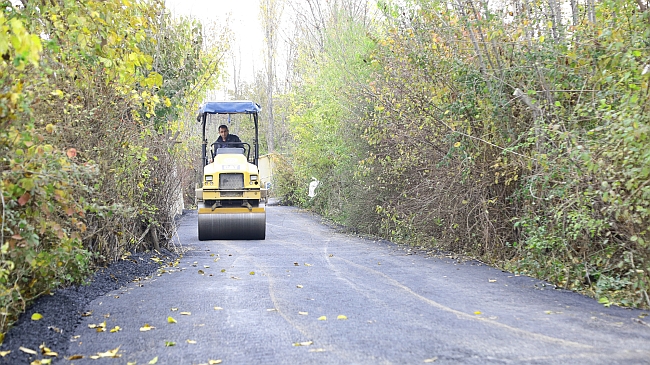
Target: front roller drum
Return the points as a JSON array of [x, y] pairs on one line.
[[232, 224]]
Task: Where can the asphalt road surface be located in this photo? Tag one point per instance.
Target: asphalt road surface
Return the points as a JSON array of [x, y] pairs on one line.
[[310, 295]]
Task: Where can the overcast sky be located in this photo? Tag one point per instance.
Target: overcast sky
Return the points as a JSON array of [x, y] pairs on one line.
[[242, 17]]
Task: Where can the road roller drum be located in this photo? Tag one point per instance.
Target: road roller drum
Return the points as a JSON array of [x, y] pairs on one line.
[[232, 223]]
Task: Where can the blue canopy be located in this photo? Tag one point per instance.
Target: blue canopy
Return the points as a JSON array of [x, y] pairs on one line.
[[230, 107]]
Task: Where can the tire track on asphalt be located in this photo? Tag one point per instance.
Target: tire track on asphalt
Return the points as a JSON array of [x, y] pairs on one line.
[[433, 303], [342, 354], [464, 315]]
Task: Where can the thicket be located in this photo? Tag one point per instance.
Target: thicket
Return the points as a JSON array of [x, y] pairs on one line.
[[517, 133], [93, 98]]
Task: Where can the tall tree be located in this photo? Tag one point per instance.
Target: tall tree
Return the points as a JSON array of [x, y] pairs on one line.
[[271, 14]]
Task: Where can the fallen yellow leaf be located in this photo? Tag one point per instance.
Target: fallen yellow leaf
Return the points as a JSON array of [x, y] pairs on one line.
[[171, 320], [322, 318], [430, 360], [252, 272], [76, 357], [110, 353], [477, 312], [214, 362], [492, 280], [146, 327], [303, 313], [153, 361], [36, 316], [191, 342], [299, 286], [306, 264], [186, 313], [306, 343], [5, 353], [115, 329], [174, 309], [218, 308], [340, 316]]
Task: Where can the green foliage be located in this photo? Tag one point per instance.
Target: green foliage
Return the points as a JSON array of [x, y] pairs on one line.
[[90, 165], [509, 135], [324, 129], [43, 219]]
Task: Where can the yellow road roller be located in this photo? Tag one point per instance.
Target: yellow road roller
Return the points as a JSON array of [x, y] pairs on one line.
[[230, 196]]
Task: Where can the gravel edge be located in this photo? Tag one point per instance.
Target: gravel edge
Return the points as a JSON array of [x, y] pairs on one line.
[[62, 310]]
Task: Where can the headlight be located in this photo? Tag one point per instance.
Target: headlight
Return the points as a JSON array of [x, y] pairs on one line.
[[208, 177], [253, 177]]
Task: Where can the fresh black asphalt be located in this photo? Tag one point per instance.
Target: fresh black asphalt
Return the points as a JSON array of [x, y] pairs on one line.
[[309, 294]]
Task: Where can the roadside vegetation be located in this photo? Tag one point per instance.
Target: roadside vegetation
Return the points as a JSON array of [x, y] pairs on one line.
[[514, 132], [94, 98]]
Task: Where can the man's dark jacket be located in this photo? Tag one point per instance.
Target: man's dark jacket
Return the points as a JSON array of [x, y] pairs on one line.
[[231, 138]]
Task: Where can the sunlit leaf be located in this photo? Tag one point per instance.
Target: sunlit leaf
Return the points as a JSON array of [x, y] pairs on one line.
[[303, 313], [186, 313], [170, 343], [171, 320], [36, 316], [252, 273], [191, 342], [306, 343], [110, 353], [322, 318], [477, 312], [4, 353], [214, 362], [218, 308], [153, 361], [342, 317], [146, 327], [27, 351], [115, 329]]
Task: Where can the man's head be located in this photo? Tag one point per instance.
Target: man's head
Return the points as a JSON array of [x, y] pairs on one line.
[[223, 131]]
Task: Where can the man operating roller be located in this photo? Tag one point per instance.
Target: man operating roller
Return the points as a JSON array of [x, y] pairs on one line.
[[226, 139]]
